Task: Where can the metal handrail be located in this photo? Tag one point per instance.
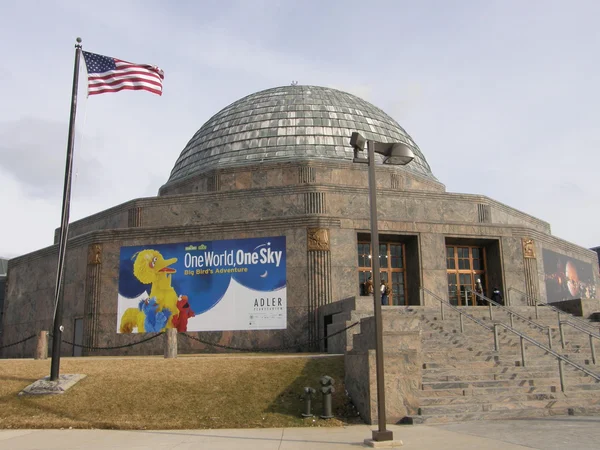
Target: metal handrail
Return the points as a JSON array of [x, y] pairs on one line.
[[590, 335], [558, 356], [522, 337], [461, 313], [537, 302], [512, 313]]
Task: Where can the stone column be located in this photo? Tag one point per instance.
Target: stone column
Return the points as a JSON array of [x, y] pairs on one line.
[[319, 278], [92, 297], [532, 286], [433, 266]]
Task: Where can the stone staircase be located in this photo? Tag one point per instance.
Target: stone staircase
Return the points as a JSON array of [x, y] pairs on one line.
[[463, 378]]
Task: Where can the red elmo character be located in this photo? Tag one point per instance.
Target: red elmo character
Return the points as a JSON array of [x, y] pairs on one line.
[[180, 321]]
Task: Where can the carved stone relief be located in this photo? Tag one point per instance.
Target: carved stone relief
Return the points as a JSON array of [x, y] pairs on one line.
[[95, 254], [318, 239], [528, 248]]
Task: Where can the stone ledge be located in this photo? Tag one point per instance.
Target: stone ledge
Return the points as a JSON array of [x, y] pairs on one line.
[[47, 387]]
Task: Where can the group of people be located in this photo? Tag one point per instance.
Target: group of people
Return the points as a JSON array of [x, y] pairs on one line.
[[496, 294], [383, 288], [385, 292]]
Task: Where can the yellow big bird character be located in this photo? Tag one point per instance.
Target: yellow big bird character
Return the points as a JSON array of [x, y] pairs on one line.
[[151, 268]]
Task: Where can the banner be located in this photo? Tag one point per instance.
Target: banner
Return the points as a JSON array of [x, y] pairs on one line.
[[567, 278], [237, 284]]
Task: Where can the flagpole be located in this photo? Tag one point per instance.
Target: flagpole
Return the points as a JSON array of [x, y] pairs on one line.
[[64, 225]]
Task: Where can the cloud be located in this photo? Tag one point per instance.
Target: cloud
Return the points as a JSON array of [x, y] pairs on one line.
[[5, 75], [33, 152]]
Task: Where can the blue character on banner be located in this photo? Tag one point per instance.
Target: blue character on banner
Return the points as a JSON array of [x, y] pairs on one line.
[[155, 320]]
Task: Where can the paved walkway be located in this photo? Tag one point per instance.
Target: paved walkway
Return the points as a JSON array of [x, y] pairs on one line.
[[581, 433]]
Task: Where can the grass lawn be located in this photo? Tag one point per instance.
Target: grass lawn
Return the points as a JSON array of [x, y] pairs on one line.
[[190, 392]]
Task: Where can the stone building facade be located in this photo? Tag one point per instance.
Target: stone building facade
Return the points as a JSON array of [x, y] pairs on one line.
[[279, 163]]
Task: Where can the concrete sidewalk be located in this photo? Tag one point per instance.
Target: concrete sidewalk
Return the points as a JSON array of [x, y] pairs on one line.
[[582, 433]]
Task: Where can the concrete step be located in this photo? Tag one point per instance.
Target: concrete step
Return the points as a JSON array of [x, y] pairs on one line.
[[475, 384], [495, 362], [485, 408], [470, 328], [489, 415], [507, 395], [511, 353], [503, 361], [505, 346], [484, 317], [502, 398], [490, 391], [467, 376]]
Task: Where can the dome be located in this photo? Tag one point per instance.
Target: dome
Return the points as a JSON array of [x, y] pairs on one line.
[[290, 123]]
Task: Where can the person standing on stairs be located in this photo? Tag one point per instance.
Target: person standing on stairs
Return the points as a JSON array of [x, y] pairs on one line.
[[497, 296], [384, 293], [479, 290], [369, 286]]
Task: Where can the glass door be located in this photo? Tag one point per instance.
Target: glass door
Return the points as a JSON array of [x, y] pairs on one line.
[[465, 265], [391, 263]]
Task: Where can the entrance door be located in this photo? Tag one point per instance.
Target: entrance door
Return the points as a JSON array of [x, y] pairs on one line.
[[78, 338], [391, 263], [465, 265]]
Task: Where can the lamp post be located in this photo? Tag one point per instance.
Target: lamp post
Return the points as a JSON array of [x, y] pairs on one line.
[[398, 154]]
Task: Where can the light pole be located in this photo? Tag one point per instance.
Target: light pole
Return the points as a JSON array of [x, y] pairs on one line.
[[398, 154]]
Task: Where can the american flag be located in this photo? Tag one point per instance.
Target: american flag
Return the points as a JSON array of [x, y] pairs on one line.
[[106, 74]]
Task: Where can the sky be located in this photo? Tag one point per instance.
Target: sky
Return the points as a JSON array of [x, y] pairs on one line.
[[501, 96]]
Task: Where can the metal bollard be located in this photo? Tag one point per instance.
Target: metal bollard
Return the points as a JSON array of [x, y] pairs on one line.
[[308, 393], [561, 375], [522, 351], [327, 389], [496, 339]]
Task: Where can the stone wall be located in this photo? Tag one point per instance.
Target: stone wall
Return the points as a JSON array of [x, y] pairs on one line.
[[324, 190], [403, 368], [297, 173], [293, 199], [579, 307], [29, 304], [91, 289]]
